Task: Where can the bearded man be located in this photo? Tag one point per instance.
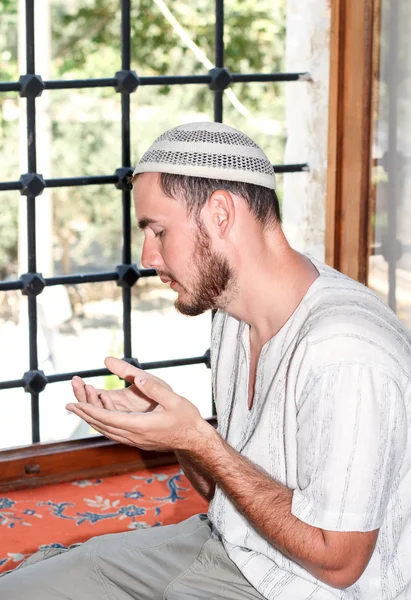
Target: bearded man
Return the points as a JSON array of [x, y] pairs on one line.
[[308, 474]]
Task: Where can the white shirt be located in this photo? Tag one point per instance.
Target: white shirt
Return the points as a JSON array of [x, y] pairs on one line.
[[329, 421]]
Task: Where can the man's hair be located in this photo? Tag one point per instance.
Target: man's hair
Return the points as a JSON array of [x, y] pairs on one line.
[[195, 191]]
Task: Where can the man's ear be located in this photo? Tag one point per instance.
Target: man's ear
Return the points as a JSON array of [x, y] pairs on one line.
[[221, 212]]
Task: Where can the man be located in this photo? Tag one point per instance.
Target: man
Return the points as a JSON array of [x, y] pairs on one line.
[[309, 472]]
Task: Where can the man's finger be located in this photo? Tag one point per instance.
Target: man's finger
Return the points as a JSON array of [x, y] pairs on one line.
[[107, 401], [79, 388], [107, 430], [92, 396], [155, 390], [116, 438], [104, 417], [122, 369]]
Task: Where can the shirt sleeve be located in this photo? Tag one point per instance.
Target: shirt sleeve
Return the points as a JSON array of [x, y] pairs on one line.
[[351, 440]]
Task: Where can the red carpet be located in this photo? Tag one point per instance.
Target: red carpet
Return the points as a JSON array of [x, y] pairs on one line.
[[63, 514]]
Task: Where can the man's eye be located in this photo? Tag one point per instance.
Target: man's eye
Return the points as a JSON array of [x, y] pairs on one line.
[[159, 233]]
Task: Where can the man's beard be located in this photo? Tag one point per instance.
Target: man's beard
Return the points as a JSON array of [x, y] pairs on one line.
[[214, 280]]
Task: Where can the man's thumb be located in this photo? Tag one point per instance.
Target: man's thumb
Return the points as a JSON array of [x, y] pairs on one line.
[[154, 390]]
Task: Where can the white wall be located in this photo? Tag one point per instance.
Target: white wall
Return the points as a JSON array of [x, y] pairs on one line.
[[308, 32]]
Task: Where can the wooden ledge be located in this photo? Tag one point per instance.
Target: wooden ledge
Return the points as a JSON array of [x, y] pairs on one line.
[[41, 464]]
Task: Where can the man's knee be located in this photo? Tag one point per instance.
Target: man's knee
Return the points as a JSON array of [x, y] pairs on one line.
[[51, 575]]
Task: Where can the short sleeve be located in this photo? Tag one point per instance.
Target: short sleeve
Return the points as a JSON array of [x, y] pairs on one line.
[[351, 440]]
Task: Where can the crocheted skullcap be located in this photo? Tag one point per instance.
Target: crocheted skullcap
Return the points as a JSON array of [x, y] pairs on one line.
[[211, 150]]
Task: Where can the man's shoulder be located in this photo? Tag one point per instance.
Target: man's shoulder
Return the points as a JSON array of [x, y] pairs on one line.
[[346, 321]]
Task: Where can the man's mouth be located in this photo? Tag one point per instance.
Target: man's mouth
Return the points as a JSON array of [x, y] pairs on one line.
[[165, 279]]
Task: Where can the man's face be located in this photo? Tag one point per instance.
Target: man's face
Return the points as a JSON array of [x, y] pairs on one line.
[[180, 250]]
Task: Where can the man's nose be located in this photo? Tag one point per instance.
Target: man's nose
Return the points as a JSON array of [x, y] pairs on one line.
[[150, 256]]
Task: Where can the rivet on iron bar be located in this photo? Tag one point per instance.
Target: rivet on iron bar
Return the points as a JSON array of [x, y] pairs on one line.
[[33, 284], [126, 81], [33, 184], [31, 86], [127, 275], [221, 79], [124, 175], [34, 381]]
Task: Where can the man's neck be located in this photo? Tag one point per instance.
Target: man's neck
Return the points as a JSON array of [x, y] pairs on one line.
[[271, 285]]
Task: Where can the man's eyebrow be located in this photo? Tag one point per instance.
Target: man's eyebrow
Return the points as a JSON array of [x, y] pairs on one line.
[[143, 223]]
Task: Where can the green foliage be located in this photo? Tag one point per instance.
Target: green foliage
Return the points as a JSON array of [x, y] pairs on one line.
[[112, 382], [86, 137]]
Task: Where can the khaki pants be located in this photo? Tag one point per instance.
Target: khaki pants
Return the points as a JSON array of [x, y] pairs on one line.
[[177, 562]]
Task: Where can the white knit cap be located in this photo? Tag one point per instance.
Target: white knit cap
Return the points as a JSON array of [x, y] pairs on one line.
[[211, 150]]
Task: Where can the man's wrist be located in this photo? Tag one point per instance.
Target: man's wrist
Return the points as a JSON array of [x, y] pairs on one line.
[[199, 439]]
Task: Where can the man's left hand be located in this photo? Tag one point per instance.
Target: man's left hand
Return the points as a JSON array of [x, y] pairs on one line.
[[177, 426]]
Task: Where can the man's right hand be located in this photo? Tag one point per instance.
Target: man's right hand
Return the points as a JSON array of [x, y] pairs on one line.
[[129, 399]]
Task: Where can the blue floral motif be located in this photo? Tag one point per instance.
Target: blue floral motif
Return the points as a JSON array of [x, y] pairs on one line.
[[54, 545], [3, 561], [58, 509], [131, 510], [29, 512], [6, 503], [93, 517], [133, 495], [174, 489], [9, 520]]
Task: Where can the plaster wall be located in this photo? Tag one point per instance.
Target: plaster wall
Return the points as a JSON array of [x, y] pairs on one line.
[[307, 49]]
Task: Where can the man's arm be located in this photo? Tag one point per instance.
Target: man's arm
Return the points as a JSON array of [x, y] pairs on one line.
[[337, 558], [197, 476]]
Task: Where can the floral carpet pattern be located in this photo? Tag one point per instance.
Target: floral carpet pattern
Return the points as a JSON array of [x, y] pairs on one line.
[[56, 516]]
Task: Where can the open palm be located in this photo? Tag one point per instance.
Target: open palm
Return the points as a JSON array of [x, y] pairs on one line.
[[129, 399]]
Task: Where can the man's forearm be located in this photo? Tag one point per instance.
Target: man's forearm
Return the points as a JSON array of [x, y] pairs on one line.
[[198, 478], [266, 504]]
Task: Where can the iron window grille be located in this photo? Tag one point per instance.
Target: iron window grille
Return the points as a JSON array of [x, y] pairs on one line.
[[31, 184]]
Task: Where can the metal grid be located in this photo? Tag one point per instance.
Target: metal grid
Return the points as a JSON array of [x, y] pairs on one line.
[[31, 184]]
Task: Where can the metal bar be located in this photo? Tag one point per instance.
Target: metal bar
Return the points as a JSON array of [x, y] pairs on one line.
[[125, 35], [175, 80], [86, 180], [269, 77], [30, 36], [6, 286], [219, 56], [219, 33], [17, 284], [64, 182], [111, 179], [78, 279], [10, 86], [176, 362], [10, 185], [31, 217], [296, 168], [162, 364], [218, 99], [74, 84], [126, 160], [68, 84], [59, 377], [8, 385]]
